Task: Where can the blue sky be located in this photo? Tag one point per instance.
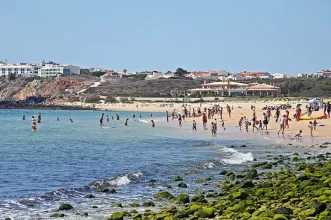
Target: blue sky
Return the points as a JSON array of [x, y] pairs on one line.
[[289, 36]]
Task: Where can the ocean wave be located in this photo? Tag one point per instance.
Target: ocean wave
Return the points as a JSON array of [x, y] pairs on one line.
[[208, 165], [116, 181], [143, 121], [235, 157]]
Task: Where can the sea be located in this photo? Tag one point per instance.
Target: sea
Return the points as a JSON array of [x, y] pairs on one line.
[[63, 161]]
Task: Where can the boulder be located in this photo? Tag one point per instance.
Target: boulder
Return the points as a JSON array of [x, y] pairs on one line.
[[149, 204], [239, 195], [55, 215], [182, 185], [308, 212], [280, 217], [199, 199], [183, 199], [65, 206], [206, 212], [117, 216], [163, 195], [177, 178], [119, 205], [134, 204], [284, 210], [85, 214], [89, 196]]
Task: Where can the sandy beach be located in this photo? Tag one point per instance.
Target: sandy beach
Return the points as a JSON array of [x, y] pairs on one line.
[[240, 109]]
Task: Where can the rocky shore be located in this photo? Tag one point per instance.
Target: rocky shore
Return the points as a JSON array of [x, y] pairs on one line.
[[278, 188], [33, 105]]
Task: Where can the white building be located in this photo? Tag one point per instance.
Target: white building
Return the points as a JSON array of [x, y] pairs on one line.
[[50, 70], [278, 75], [25, 70]]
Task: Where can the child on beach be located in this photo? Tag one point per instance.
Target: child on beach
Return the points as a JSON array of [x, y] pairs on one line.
[[311, 127], [194, 126], [223, 126], [246, 124], [282, 124], [315, 124], [298, 135], [240, 123], [260, 125]]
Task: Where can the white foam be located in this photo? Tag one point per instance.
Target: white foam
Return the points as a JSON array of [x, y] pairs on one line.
[[235, 157], [208, 165], [143, 121], [121, 181]]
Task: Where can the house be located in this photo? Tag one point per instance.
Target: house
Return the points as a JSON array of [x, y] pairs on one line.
[[278, 75], [231, 88], [324, 73], [255, 75], [155, 75]]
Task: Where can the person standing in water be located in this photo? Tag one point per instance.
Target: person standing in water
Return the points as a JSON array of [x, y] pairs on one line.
[[57, 119], [194, 126], [126, 122], [311, 128], [153, 123], [107, 118], [139, 115], [39, 118], [282, 124], [71, 120], [167, 116], [101, 120], [34, 126], [23, 118], [180, 120]]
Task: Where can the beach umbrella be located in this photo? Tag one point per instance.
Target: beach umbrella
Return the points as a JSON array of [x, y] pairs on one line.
[[326, 100], [313, 100], [284, 102]]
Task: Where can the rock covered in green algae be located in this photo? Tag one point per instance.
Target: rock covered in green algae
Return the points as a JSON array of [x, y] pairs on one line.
[[119, 205], [89, 196], [206, 212], [280, 217], [163, 195], [57, 215], [199, 199], [183, 199], [65, 206], [116, 216], [239, 195], [182, 185], [134, 204], [177, 178], [149, 204], [284, 210], [85, 214]]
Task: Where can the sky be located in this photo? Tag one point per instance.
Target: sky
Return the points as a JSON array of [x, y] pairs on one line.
[[286, 36]]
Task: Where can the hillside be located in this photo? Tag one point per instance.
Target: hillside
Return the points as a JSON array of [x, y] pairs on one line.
[[128, 87]]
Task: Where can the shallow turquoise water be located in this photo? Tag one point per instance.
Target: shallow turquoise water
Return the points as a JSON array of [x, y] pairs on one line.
[[63, 161]]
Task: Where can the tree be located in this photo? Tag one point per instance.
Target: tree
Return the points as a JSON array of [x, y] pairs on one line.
[[180, 72], [85, 71], [125, 71]]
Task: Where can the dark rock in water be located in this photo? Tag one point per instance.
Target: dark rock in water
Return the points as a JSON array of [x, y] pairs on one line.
[[260, 164], [85, 214], [177, 178], [116, 216], [105, 190], [119, 205], [251, 174], [244, 145], [127, 214], [182, 185], [223, 172], [247, 184], [89, 196], [284, 210], [320, 207], [65, 206], [152, 181], [168, 186], [57, 215], [94, 207], [7, 219], [112, 191], [199, 199], [134, 204], [163, 195], [183, 199], [137, 216], [133, 211], [149, 204], [30, 204]]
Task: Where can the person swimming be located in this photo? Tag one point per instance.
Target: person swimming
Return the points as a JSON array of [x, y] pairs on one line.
[[23, 118], [71, 120]]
